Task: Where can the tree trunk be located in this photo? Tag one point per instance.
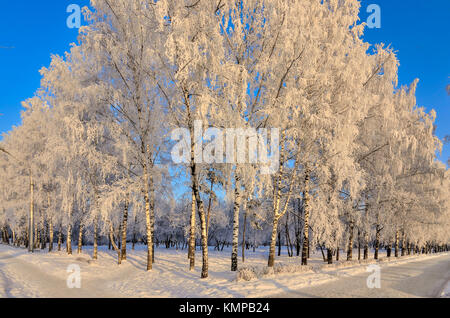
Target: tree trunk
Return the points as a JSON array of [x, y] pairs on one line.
[[236, 210], [243, 235], [278, 212], [323, 254], [134, 232], [3, 235], [31, 217], [59, 238], [80, 239], [359, 245], [396, 243], [196, 190], [305, 249], [69, 229], [204, 236], [37, 236], [6, 235], [403, 245], [366, 245], [298, 228], [288, 238], [289, 244], [329, 256], [191, 251], [44, 237], [69, 239], [50, 233], [113, 243], [148, 220], [119, 237], [309, 249], [350, 242], [279, 243], [95, 253], [123, 253], [152, 215], [202, 216], [50, 224], [208, 219], [377, 241], [273, 241]]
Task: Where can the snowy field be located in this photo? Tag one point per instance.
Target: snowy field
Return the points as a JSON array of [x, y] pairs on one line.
[[45, 275]]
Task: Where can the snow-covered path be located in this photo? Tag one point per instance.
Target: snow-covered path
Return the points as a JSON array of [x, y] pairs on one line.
[[418, 278], [45, 275], [21, 278]]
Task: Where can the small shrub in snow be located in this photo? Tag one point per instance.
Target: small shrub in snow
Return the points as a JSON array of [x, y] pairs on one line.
[[291, 268], [246, 274], [249, 273]]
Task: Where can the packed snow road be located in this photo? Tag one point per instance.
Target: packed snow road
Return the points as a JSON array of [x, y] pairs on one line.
[[44, 274], [418, 278], [20, 277]]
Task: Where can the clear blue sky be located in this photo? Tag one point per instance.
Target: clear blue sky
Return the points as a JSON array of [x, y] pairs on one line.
[[417, 29]]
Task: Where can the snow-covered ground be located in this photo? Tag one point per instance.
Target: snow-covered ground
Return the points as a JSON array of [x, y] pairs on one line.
[[416, 277], [445, 293], [45, 275]]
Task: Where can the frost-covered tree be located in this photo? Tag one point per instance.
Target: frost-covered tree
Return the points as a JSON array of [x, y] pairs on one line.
[[125, 139]]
